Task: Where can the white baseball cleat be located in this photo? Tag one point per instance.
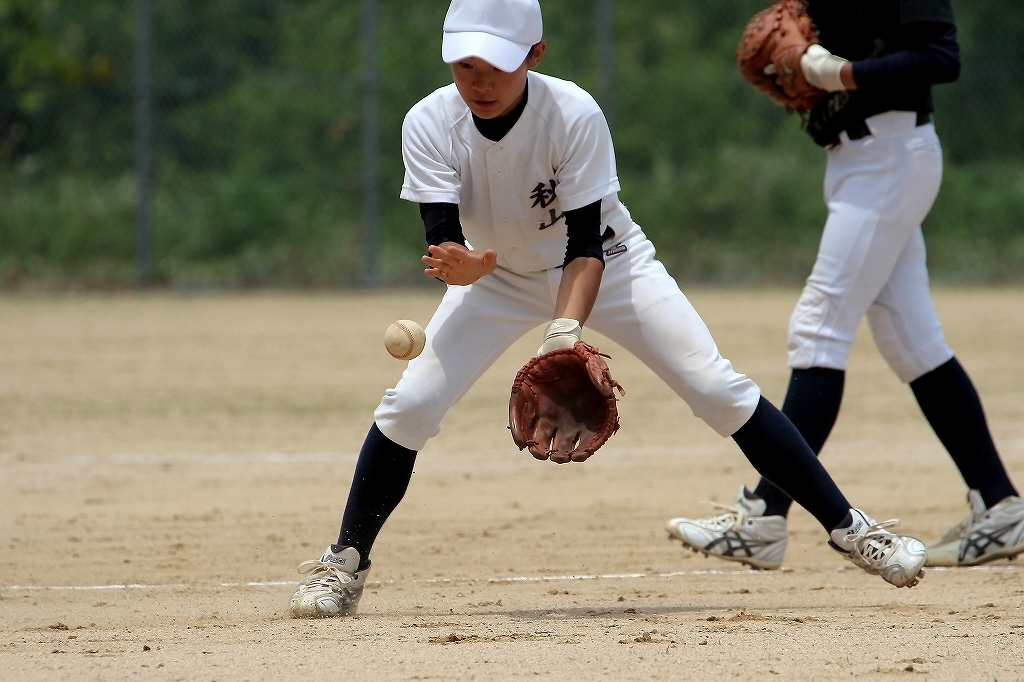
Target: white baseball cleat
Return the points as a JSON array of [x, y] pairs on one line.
[[332, 588], [741, 534], [985, 535], [897, 558]]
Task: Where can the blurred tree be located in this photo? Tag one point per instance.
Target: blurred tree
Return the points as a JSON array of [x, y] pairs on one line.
[[62, 70], [981, 116], [258, 164]]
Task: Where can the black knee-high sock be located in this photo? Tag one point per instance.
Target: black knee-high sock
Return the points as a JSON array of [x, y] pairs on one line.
[[812, 404], [780, 454], [381, 478], [951, 405]]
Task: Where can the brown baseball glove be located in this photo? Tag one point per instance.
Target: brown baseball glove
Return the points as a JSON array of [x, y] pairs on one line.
[[770, 50], [563, 404]]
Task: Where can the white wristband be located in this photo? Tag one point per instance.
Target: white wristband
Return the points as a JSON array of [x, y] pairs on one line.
[[563, 332], [822, 68]]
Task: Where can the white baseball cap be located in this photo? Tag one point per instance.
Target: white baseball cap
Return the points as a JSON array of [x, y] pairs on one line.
[[501, 32]]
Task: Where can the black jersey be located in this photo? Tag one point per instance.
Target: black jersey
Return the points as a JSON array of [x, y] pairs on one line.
[[860, 30]]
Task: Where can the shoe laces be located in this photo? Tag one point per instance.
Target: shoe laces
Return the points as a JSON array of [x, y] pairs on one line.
[[732, 520], [324, 574], [874, 544]]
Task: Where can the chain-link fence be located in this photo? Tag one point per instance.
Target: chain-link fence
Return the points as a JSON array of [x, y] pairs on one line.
[[262, 160]]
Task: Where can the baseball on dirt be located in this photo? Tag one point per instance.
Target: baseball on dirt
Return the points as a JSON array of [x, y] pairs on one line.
[[404, 339]]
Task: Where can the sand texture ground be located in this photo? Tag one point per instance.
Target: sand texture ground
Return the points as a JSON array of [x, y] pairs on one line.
[[166, 462]]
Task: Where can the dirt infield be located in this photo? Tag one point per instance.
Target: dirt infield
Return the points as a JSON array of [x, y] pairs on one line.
[[167, 462]]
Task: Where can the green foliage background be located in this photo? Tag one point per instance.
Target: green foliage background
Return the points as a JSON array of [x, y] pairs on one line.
[[259, 170]]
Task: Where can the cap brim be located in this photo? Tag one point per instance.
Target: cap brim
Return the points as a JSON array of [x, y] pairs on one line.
[[499, 52]]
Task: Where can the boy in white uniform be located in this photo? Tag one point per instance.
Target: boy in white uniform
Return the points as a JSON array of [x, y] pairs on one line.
[[522, 165], [883, 174]]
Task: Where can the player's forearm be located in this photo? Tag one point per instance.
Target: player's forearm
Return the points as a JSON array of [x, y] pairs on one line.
[[581, 280]]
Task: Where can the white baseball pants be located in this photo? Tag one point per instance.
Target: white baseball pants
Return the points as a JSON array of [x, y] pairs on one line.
[[639, 306], [871, 259]]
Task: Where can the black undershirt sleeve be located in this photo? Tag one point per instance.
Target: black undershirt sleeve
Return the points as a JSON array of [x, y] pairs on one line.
[[442, 223], [583, 226], [932, 56]]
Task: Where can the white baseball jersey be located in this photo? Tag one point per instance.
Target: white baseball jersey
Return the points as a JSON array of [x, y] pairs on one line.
[[513, 194]]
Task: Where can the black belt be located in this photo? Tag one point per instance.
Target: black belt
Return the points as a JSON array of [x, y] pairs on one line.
[[859, 129]]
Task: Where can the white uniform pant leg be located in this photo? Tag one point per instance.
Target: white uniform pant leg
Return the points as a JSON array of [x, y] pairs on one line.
[[471, 328], [903, 321], [878, 190], [641, 308]]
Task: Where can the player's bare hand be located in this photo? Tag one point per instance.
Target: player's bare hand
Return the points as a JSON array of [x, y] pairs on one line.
[[455, 264]]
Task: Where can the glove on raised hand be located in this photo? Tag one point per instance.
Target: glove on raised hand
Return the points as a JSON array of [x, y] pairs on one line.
[[770, 51]]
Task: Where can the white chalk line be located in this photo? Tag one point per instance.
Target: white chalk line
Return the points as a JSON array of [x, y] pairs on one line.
[[448, 581], [430, 581]]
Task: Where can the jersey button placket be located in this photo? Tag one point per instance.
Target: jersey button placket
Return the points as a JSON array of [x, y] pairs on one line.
[[495, 157], [501, 203]]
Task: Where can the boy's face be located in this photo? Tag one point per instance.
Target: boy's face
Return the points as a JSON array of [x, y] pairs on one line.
[[488, 91]]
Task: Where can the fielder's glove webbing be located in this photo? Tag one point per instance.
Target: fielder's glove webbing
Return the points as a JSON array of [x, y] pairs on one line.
[[563, 404]]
